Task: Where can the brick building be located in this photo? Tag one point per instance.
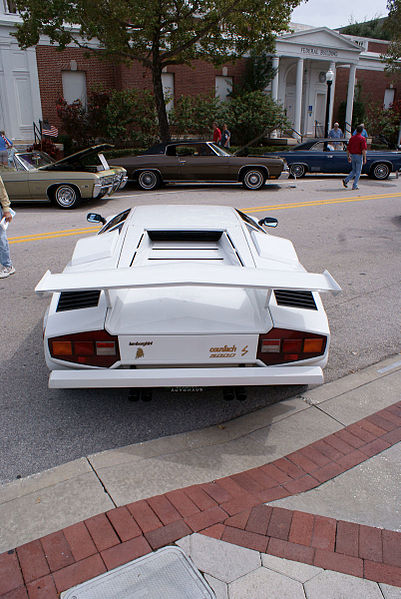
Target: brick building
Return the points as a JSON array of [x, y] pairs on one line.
[[32, 80]]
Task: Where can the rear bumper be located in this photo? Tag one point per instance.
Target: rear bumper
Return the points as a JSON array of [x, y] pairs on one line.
[[185, 377]]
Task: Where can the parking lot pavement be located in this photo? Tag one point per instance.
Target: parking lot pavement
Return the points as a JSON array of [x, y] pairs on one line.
[[250, 527]]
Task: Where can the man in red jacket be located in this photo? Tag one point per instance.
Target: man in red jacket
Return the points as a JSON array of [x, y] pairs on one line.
[[356, 152], [216, 134]]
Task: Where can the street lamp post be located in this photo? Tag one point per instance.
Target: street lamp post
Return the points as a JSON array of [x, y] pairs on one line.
[[329, 81]]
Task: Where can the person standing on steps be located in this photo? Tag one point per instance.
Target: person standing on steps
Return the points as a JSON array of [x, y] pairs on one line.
[[356, 152]]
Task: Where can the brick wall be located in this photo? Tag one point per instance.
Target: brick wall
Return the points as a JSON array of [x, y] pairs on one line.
[[51, 63], [379, 47], [373, 86], [198, 79]]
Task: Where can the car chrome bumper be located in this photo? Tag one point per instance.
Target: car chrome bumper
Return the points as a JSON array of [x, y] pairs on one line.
[[185, 377], [123, 183], [102, 190]]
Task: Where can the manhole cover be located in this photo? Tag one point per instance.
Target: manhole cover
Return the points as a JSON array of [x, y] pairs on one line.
[[165, 574]]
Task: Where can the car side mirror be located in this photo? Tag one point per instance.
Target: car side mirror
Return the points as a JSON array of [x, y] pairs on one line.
[[93, 217], [268, 221]]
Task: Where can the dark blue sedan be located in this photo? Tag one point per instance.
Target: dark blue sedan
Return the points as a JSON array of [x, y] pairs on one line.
[[330, 156]]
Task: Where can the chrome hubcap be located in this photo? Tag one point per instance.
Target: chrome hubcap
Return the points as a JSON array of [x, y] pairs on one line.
[[65, 196]]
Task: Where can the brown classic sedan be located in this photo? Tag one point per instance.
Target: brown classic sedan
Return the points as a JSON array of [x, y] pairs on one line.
[[194, 160]]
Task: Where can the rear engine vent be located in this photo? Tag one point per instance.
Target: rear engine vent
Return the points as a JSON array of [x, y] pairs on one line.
[[185, 235], [74, 300], [295, 299]]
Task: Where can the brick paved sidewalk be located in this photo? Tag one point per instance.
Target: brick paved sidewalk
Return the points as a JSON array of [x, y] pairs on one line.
[[231, 509]]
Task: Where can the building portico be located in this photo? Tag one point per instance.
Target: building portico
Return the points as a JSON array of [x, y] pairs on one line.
[[302, 60]]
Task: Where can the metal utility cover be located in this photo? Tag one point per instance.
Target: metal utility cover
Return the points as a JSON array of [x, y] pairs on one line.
[[165, 574]]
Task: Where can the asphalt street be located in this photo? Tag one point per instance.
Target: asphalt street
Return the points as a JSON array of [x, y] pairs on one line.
[[355, 235]]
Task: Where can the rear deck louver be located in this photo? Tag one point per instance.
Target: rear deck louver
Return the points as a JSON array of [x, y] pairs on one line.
[[74, 300], [295, 299]]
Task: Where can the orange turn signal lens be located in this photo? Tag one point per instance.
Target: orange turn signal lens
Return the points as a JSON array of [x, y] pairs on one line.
[[62, 348], [313, 345]]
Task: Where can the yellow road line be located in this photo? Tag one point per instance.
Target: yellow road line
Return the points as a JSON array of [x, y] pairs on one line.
[[301, 204], [52, 235], [304, 204]]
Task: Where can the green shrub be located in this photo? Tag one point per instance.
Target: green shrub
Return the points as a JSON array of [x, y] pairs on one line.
[[384, 123], [123, 118], [193, 116], [252, 113]]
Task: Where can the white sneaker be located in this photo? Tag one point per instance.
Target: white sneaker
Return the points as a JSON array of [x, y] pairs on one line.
[[6, 271]]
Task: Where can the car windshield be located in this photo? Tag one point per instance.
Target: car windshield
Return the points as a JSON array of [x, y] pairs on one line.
[[32, 160], [250, 221], [116, 222], [220, 151]]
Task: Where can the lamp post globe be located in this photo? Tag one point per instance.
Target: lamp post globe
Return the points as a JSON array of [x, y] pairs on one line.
[[329, 81]]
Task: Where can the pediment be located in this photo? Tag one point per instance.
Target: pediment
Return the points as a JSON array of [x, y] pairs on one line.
[[320, 37]]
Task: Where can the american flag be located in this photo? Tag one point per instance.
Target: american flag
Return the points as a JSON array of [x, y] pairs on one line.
[[49, 130]]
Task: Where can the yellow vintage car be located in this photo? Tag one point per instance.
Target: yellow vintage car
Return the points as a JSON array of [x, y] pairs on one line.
[[83, 175]]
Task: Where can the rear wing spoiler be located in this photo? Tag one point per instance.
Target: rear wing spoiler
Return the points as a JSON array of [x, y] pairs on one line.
[[179, 275]]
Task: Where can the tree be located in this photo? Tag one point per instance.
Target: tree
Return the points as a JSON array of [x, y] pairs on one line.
[[375, 28], [157, 33], [393, 25]]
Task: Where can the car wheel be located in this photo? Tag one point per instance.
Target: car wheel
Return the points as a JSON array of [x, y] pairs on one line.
[[297, 170], [254, 179], [380, 171], [66, 196], [148, 180]]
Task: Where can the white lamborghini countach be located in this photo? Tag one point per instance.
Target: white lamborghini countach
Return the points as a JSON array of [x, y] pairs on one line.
[[183, 296]]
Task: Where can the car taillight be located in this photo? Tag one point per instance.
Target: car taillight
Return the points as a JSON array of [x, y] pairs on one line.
[[95, 348], [279, 346]]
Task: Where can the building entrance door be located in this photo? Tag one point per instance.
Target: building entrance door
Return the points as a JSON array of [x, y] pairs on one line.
[[320, 114]]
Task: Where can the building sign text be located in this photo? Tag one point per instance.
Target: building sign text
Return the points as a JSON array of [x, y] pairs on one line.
[[318, 51]]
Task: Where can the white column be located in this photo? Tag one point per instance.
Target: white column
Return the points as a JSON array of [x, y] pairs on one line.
[[34, 82], [298, 95], [275, 64], [333, 91], [350, 100]]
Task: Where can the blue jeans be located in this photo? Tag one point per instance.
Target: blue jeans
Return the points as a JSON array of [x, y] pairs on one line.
[[356, 168], [4, 249]]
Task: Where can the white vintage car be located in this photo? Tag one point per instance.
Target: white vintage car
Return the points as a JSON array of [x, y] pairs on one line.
[[182, 296]]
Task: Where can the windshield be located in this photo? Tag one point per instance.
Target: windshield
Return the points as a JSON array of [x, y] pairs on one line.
[[250, 221], [115, 222], [220, 151], [32, 160]]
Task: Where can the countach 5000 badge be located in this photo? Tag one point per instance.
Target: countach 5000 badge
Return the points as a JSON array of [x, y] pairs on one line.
[[223, 352]]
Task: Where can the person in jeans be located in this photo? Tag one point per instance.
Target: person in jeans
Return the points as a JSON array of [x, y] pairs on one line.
[[5, 145], [6, 267], [356, 152]]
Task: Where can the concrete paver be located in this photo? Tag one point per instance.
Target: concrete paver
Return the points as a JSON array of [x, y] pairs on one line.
[[333, 585], [266, 584], [220, 588], [370, 493], [223, 561], [295, 570], [390, 592]]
